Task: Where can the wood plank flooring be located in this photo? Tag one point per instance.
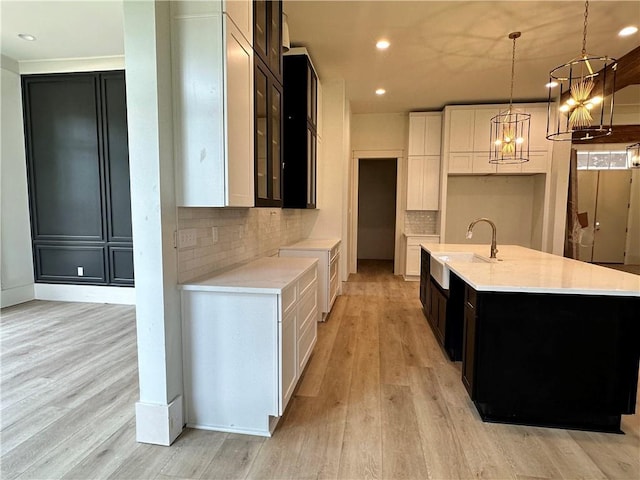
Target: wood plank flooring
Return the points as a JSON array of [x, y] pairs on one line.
[[379, 399]]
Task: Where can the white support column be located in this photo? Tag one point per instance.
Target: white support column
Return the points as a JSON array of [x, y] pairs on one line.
[[159, 415]]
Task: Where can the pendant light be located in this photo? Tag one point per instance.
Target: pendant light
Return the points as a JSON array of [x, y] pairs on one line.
[[633, 156], [582, 106], [510, 129]]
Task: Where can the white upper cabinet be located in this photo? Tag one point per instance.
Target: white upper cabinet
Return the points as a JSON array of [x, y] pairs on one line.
[[423, 170], [241, 13], [467, 140], [212, 65], [425, 132], [423, 185]]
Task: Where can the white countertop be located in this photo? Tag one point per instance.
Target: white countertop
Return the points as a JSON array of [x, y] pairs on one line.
[[313, 244], [520, 269], [265, 275]]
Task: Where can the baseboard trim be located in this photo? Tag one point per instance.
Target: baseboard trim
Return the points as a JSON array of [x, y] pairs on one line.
[[85, 293], [16, 295], [159, 424]]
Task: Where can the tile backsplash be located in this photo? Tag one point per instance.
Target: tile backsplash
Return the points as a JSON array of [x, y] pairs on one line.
[[420, 222], [243, 234]]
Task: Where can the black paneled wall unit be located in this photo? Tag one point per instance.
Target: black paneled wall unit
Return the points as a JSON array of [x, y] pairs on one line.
[[78, 169], [300, 132]]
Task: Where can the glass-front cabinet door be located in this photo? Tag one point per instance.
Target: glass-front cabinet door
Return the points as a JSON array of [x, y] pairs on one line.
[[275, 38], [268, 137], [276, 142], [260, 25], [261, 135]]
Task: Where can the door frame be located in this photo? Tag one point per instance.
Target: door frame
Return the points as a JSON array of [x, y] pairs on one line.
[[401, 186]]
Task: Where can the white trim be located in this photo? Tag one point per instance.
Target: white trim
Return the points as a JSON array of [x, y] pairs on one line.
[[16, 295], [72, 65], [401, 195], [85, 293], [159, 424]]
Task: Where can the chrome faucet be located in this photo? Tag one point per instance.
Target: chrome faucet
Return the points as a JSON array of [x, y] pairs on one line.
[[494, 249]]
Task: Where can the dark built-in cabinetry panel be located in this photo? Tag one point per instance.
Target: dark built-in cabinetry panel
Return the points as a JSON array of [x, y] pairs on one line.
[[268, 102], [300, 132], [78, 168], [559, 360], [442, 308]]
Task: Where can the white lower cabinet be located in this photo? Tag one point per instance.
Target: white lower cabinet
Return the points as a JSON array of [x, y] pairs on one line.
[[247, 335], [412, 259], [327, 251]]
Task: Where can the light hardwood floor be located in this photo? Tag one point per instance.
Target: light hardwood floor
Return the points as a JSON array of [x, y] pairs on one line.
[[379, 399]]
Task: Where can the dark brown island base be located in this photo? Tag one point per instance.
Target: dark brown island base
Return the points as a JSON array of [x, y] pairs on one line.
[[543, 340]]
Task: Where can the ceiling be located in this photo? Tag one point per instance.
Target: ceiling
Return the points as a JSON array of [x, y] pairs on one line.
[[441, 52]]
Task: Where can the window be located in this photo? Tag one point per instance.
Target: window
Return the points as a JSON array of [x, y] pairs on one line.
[[605, 160]]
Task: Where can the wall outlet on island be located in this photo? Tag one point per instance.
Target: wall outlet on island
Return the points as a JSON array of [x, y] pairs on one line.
[[214, 234]]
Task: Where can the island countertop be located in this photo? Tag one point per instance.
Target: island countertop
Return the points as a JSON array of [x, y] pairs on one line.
[[520, 269]]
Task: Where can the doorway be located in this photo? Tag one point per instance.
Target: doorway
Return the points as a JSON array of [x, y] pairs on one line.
[[604, 195], [377, 210]]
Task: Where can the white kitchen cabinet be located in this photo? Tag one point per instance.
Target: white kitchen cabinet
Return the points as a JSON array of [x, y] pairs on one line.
[[425, 131], [469, 129], [423, 182], [412, 251], [467, 143], [327, 251], [459, 129], [241, 13], [212, 66], [247, 335]]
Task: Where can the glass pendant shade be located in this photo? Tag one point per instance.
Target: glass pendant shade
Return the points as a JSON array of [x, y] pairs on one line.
[[580, 104], [510, 129], [633, 156]]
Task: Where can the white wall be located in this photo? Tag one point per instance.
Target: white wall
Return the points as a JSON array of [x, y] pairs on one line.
[[333, 169], [509, 205], [379, 131], [16, 279]]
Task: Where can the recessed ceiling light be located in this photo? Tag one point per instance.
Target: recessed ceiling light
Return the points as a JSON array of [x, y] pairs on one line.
[[380, 91], [626, 31], [382, 44], [27, 36], [551, 84]]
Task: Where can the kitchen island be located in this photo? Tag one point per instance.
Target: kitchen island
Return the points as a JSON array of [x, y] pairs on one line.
[[543, 340]]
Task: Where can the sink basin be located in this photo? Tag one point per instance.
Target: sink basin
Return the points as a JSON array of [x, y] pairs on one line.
[[439, 267]]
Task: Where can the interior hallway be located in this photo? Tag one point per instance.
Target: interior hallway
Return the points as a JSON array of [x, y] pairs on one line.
[[379, 399]]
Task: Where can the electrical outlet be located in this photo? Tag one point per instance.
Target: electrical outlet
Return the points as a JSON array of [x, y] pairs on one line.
[[187, 238], [81, 271], [214, 234]]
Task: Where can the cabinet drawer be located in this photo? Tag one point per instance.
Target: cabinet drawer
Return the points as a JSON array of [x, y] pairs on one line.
[[470, 297], [333, 269], [306, 342], [306, 280], [335, 252], [333, 289], [289, 295], [308, 307]]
